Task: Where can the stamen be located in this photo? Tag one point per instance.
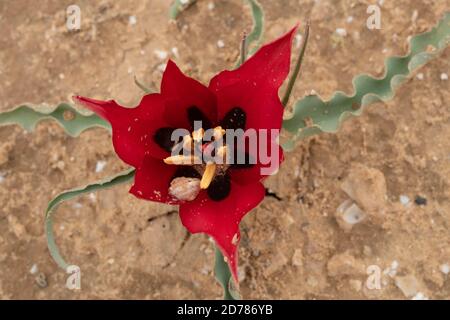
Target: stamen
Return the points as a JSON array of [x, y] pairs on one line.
[[198, 135], [181, 160], [219, 132], [187, 142], [208, 175], [222, 151]]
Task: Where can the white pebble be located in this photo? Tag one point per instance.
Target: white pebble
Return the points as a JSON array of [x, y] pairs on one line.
[[132, 20], [420, 76], [350, 19], [419, 296], [175, 52], [341, 32], [161, 54], [62, 76], [445, 268], [444, 76], [404, 200], [220, 44], [211, 6], [92, 196], [184, 2], [100, 166], [34, 269]]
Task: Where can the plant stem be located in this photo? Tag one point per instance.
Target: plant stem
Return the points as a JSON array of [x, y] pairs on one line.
[[223, 275], [298, 65]]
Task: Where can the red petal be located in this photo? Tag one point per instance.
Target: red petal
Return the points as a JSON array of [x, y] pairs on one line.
[[221, 219], [254, 86], [182, 92], [245, 176], [133, 128], [152, 181]]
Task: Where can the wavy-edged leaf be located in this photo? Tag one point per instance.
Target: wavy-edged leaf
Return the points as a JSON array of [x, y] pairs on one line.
[[255, 37], [312, 115], [223, 275], [72, 120], [179, 6], [122, 177]]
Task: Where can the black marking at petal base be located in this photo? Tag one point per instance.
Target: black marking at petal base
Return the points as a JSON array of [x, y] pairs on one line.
[[163, 138], [219, 188], [195, 114], [234, 119]]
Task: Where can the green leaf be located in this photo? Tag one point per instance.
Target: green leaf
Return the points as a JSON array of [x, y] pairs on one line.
[[72, 120], [177, 7], [123, 177], [223, 276], [252, 42], [255, 37], [312, 115]]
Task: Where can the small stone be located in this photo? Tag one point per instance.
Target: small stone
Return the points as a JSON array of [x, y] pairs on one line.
[[419, 296], [211, 6], [444, 76], [420, 76], [349, 214], [404, 200], [420, 201], [220, 44], [341, 32], [367, 251], [297, 258], [41, 280], [100, 166], [445, 268], [132, 20], [34, 269], [161, 54], [408, 284], [349, 19], [175, 52]]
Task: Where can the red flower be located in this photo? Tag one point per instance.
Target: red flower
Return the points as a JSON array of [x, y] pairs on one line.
[[213, 198]]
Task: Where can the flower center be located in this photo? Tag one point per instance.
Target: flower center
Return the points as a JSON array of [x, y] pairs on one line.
[[202, 157]]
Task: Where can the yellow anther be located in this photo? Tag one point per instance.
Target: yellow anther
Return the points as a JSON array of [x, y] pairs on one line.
[[222, 151], [187, 142], [181, 160], [208, 175], [198, 135], [219, 132]]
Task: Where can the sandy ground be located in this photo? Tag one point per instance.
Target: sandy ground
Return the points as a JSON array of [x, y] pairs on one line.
[[293, 247]]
